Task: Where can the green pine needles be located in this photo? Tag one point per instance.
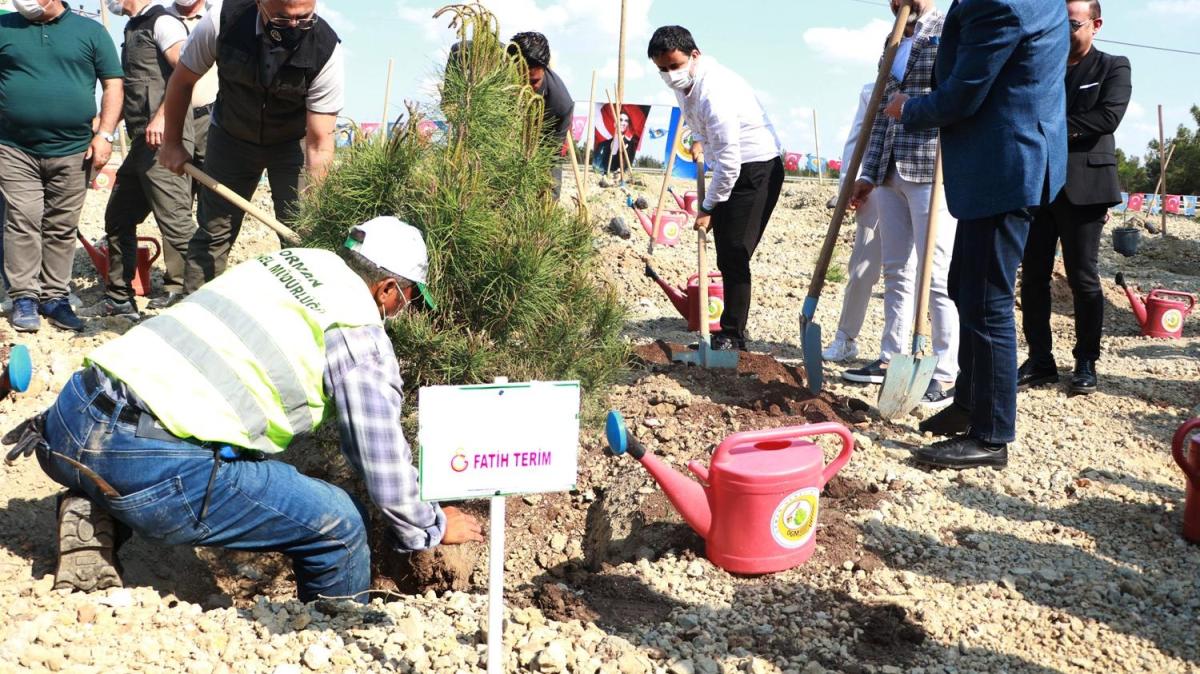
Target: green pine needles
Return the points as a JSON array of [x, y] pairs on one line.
[[512, 272]]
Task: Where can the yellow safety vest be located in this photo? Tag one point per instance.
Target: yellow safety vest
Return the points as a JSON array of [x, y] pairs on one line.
[[241, 360]]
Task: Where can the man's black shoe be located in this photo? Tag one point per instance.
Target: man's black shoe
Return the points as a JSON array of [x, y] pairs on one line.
[[952, 420], [1034, 374], [1083, 380], [962, 451]]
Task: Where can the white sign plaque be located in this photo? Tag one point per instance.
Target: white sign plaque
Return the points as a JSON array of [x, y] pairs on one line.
[[498, 439]]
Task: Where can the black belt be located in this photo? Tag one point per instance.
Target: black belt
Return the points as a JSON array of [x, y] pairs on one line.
[[105, 404]]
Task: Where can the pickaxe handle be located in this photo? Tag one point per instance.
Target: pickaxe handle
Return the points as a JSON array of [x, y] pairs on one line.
[[234, 198]]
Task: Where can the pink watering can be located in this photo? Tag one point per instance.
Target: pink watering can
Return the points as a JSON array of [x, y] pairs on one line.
[[98, 252], [687, 300], [756, 505], [687, 202], [670, 225]]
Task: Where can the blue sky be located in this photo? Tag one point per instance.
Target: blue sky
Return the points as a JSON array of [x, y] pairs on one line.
[[798, 54]]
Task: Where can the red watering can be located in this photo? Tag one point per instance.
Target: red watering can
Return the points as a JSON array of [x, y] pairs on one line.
[[687, 301], [687, 202], [1162, 312], [1190, 463], [670, 226], [756, 505], [141, 277]]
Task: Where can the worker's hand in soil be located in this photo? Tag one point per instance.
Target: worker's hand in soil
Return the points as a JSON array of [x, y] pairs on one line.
[[895, 106], [154, 132], [173, 156], [460, 527], [862, 190], [98, 152], [703, 222]]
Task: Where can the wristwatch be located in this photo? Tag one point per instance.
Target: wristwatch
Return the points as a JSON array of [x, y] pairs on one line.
[[110, 137]]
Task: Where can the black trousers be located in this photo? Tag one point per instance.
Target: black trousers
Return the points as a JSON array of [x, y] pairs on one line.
[[738, 225], [1078, 228]]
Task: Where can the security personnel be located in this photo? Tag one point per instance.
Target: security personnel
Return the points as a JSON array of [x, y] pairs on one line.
[[153, 41], [171, 428], [281, 81]]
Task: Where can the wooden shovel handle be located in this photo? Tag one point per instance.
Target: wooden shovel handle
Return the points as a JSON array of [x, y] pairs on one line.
[[935, 203], [234, 198], [860, 149], [701, 250]]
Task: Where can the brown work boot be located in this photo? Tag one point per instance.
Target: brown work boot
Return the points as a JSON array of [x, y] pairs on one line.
[[87, 560]]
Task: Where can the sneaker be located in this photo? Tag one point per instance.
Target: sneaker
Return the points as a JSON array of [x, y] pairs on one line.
[[173, 298], [87, 560], [24, 316], [871, 374], [840, 349], [936, 397], [60, 314], [719, 341], [107, 308]]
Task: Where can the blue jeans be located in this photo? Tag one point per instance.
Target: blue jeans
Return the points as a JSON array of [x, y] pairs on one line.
[[255, 505], [983, 274]]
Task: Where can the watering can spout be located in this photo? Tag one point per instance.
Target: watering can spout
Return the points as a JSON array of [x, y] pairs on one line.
[[688, 497], [1135, 302], [677, 296]]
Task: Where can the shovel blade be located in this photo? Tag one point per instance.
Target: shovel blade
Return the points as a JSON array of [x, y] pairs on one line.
[[725, 360], [810, 344], [905, 384]]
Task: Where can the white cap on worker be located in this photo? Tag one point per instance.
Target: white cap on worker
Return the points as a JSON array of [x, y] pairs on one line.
[[394, 246]]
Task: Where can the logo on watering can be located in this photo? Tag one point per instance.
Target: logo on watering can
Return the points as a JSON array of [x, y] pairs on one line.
[[670, 230], [716, 307], [795, 518], [1172, 320]]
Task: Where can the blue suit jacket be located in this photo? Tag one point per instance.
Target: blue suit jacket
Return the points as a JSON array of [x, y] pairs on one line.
[[1000, 104]]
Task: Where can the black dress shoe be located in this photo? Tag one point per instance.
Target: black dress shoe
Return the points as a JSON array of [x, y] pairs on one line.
[[952, 420], [719, 341], [962, 451], [1034, 374], [1083, 380]]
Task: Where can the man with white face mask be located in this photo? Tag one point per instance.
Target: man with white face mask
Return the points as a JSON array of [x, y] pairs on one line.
[[150, 51], [50, 60], [726, 119]]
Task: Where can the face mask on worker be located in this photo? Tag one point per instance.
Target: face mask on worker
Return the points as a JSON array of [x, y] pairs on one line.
[[186, 4], [680, 79], [32, 10], [285, 32], [115, 6]]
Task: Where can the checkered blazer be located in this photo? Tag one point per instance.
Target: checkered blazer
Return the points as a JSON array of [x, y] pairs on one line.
[[913, 151]]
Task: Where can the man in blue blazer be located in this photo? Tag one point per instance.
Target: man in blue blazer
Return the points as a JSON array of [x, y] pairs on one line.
[[1001, 107]]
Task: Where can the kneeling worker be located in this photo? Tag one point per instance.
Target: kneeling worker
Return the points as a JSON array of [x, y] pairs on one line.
[[181, 415]]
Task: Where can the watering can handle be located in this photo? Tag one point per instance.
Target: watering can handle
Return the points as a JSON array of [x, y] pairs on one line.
[[791, 433], [1162, 292], [1177, 451], [157, 247]]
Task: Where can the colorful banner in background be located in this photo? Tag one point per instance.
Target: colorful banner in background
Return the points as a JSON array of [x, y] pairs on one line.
[[1176, 204]]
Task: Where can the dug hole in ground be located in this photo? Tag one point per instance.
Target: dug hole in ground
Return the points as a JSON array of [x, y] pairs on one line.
[[1069, 560]]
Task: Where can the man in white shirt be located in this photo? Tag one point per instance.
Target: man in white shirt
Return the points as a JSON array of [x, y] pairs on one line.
[[150, 52], [740, 144], [204, 94], [281, 80]]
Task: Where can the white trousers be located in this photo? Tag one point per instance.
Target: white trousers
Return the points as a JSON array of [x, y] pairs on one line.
[[862, 274], [903, 224]]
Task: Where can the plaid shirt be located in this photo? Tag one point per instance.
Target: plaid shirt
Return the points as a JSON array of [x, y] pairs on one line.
[[363, 378], [913, 152]]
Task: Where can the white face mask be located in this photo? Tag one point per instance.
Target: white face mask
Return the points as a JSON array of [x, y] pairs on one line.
[[680, 79], [186, 4], [115, 6], [32, 10]]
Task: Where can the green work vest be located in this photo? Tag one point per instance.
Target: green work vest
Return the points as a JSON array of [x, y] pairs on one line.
[[241, 360]]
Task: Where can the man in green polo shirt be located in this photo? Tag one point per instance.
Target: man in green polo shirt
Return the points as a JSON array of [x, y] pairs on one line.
[[50, 60]]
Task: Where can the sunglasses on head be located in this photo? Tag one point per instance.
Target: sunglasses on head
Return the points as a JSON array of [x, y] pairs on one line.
[[303, 22]]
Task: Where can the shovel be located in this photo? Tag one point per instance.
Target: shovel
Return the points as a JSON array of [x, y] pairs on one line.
[[705, 356], [908, 376], [234, 198], [810, 332]]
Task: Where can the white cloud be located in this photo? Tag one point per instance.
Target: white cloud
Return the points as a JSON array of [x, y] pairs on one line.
[[329, 12], [579, 23], [859, 46], [1175, 8]]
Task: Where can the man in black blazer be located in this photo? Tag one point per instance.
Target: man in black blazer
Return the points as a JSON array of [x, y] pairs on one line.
[[1098, 90]]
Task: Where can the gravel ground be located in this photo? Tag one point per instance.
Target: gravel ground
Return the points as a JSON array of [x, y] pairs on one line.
[[1068, 561]]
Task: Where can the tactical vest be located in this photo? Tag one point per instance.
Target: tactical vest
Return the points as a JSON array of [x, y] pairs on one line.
[[253, 111], [146, 70], [241, 361]]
